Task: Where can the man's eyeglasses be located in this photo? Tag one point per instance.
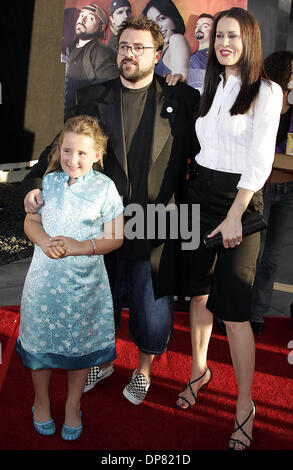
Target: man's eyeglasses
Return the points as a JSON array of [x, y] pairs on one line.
[[136, 49]]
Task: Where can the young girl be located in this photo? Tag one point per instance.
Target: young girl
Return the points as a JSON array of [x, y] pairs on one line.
[[66, 309]]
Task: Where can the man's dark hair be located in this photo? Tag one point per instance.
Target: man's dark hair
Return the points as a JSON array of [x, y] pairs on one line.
[[141, 23], [206, 15]]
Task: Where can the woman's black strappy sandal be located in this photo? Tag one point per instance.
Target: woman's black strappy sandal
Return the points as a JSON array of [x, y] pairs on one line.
[[233, 442], [205, 385]]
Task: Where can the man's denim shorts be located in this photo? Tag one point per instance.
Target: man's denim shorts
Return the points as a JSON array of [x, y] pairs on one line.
[[150, 320]]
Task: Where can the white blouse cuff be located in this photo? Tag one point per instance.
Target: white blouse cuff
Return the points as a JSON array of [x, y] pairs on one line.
[[249, 186]]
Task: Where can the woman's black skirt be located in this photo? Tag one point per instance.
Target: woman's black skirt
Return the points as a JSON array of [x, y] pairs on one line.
[[227, 275]]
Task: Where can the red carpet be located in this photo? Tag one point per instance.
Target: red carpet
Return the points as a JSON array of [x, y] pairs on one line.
[[9, 321], [111, 422]]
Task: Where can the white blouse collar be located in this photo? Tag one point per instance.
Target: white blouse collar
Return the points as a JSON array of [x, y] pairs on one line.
[[231, 78]]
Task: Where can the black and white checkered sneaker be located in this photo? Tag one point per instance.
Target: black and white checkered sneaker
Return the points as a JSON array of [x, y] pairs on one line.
[[137, 388], [96, 374]]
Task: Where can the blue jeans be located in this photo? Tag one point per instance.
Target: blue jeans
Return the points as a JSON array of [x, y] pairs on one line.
[[278, 212], [150, 320]]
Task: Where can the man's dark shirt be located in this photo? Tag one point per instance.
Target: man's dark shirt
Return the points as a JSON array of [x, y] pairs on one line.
[[138, 107]]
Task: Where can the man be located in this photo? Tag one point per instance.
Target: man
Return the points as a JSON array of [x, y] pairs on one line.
[[198, 60], [119, 11], [151, 135], [88, 60]]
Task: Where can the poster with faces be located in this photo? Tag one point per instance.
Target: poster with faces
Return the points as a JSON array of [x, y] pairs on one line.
[[185, 25]]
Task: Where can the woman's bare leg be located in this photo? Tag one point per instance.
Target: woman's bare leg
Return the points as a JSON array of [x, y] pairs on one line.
[[242, 348], [201, 324]]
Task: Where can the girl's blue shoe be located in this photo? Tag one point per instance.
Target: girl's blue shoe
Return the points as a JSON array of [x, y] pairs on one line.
[[71, 434], [45, 429]]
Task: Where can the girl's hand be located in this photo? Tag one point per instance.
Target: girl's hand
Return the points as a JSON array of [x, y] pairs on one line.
[[231, 229], [68, 246], [54, 252]]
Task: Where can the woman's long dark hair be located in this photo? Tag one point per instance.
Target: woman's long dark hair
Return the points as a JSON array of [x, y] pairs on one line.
[[169, 9], [250, 64]]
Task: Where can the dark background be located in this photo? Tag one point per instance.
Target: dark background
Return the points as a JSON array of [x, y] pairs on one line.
[[16, 29]]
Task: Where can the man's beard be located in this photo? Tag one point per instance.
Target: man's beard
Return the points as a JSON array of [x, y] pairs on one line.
[[83, 34], [113, 27], [136, 74], [199, 35]]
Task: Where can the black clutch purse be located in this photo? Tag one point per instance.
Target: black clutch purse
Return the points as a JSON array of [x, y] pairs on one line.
[[251, 223]]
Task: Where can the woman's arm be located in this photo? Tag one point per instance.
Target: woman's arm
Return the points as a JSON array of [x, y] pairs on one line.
[[178, 55], [260, 153], [231, 227], [111, 240], [261, 148]]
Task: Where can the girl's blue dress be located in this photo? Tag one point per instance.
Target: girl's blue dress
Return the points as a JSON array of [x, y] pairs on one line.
[[67, 316]]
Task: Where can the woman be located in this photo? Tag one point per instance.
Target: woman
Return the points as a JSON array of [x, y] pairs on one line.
[[176, 52], [278, 194], [236, 128]]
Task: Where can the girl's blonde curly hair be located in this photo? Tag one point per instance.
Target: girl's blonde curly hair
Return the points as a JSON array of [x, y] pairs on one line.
[[82, 125]]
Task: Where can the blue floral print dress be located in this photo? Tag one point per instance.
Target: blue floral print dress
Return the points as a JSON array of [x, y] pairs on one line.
[[67, 319]]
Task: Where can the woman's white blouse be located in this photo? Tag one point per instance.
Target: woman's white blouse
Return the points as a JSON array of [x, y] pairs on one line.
[[244, 143]]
